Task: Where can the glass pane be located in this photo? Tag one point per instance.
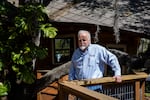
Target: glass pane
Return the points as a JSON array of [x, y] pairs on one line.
[[62, 51]]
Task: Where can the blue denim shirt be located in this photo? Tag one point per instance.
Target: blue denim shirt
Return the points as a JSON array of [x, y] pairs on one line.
[[90, 64]]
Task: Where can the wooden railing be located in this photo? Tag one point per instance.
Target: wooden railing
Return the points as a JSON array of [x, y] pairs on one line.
[[132, 87]]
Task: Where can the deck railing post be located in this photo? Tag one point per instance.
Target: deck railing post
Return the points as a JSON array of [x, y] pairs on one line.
[[142, 89], [137, 90], [61, 93]]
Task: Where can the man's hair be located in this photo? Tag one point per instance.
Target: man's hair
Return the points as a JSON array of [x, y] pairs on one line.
[[84, 31]]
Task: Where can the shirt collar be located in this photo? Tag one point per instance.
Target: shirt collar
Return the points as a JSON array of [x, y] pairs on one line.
[[84, 52]]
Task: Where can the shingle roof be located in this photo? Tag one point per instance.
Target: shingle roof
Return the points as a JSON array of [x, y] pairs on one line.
[[133, 15]]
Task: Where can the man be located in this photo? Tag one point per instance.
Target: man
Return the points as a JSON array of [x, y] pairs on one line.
[[88, 61]]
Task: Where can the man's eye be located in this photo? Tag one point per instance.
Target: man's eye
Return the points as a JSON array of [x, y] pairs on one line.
[[82, 40]]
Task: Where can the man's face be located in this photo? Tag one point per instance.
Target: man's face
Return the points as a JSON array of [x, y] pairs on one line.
[[83, 41]]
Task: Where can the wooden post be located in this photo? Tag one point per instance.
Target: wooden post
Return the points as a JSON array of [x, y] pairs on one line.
[[60, 92], [143, 89], [62, 95], [39, 97], [137, 90]]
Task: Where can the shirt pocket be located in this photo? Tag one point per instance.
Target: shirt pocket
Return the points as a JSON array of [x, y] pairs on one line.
[[91, 61]]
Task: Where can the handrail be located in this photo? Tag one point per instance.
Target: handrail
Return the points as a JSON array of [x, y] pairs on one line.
[[81, 92], [137, 75], [76, 88]]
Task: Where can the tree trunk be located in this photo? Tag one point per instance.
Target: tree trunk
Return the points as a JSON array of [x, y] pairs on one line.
[[51, 76]]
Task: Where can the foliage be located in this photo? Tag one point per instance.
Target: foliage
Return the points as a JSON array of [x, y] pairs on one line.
[[147, 87], [147, 94], [18, 27], [3, 89]]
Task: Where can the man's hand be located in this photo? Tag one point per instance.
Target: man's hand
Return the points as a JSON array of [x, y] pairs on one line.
[[118, 78]]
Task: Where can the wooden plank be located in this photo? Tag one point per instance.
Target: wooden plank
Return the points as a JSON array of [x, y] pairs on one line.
[[143, 89], [108, 79], [82, 92], [137, 90], [39, 96], [39, 75]]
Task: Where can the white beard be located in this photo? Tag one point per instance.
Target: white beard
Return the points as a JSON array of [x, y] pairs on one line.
[[82, 48]]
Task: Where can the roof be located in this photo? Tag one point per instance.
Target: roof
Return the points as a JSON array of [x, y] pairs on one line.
[[132, 15]]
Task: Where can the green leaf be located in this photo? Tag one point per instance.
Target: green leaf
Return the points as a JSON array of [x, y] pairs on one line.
[[15, 69], [27, 77], [42, 53], [48, 30], [3, 89], [1, 65], [18, 58]]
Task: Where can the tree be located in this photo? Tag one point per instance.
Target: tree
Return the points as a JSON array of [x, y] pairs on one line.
[[19, 28]]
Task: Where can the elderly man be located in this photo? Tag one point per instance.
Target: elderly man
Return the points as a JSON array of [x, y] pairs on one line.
[[88, 61]]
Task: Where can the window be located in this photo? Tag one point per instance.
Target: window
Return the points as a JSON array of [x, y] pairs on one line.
[[63, 49]]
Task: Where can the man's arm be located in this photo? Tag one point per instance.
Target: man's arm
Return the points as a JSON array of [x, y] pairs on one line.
[[71, 72], [113, 62]]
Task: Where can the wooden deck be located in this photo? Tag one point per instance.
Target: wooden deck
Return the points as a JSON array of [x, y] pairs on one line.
[[50, 92]]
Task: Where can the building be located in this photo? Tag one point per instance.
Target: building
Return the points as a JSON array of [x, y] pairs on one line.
[[117, 26]]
